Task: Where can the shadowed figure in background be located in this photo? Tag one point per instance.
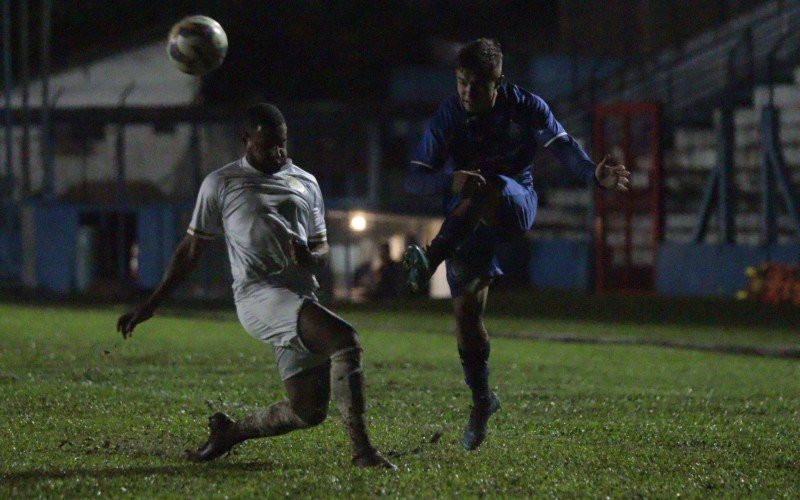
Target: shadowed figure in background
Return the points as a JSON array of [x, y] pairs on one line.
[[388, 276], [271, 213]]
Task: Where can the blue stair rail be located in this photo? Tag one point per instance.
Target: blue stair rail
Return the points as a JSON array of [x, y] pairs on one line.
[[773, 162]]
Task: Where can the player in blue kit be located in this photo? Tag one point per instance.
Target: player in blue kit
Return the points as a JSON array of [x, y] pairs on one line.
[[477, 153]]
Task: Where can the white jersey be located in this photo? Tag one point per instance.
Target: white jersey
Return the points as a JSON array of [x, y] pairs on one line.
[[258, 213]]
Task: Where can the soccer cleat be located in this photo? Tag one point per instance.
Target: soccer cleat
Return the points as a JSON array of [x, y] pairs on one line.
[[415, 264], [220, 441], [475, 432], [373, 458]]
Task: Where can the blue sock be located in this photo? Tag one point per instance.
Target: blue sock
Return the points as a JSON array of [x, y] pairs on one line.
[[476, 371]]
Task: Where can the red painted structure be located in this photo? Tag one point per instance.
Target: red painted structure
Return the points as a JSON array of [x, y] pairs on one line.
[[629, 225]]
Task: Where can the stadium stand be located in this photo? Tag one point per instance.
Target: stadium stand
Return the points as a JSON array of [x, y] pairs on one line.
[[727, 64]]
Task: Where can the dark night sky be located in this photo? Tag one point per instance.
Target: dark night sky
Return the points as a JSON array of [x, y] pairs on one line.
[[315, 49], [319, 49]]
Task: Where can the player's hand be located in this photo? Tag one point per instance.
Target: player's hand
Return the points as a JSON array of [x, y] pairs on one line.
[[128, 321], [468, 182], [612, 175], [300, 254]]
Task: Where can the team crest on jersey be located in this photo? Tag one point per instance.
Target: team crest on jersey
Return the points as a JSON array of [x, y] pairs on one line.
[[295, 184]]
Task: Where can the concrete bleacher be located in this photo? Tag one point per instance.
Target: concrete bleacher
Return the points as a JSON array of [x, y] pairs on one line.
[[689, 163], [686, 78], [687, 81]]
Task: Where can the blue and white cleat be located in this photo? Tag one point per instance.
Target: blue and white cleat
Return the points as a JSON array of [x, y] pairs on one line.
[[475, 432], [415, 265]]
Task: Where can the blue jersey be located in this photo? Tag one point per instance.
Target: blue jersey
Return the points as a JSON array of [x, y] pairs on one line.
[[501, 142]]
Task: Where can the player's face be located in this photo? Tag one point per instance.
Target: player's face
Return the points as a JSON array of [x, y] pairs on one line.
[[477, 93], [266, 148]]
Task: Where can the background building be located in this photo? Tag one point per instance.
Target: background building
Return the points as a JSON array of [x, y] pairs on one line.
[[100, 180]]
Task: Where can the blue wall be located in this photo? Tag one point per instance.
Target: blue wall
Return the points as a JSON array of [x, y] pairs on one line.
[[157, 236], [56, 237], [560, 264], [705, 269], [555, 76], [56, 228], [681, 269], [550, 77], [422, 83]]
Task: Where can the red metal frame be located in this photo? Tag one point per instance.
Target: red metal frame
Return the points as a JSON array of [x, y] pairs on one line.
[[629, 277]]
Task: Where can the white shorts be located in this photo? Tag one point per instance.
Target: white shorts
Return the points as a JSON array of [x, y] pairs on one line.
[[270, 315]]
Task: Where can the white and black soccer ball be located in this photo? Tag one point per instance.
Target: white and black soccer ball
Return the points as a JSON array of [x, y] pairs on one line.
[[197, 45]]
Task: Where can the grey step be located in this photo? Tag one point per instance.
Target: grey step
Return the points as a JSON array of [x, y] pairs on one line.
[[751, 117], [694, 137], [785, 96], [568, 197]]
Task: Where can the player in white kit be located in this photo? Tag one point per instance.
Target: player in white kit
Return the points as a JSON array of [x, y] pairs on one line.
[[272, 216]]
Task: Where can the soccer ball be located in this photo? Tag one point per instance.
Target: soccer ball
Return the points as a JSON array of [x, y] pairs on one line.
[[197, 45]]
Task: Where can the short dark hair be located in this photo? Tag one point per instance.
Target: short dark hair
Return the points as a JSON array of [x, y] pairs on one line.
[[483, 57], [263, 115]]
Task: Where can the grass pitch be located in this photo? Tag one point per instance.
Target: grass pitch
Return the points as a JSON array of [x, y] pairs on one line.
[[85, 413]]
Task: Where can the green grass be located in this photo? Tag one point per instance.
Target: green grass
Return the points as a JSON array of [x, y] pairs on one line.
[[577, 420]]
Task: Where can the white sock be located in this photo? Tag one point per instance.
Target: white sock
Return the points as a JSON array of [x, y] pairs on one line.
[[275, 420]]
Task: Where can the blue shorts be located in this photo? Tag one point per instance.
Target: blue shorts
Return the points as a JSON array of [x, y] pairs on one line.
[[475, 257]]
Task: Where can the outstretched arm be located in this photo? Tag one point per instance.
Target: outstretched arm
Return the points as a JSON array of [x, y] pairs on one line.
[[549, 134], [607, 174], [183, 262]]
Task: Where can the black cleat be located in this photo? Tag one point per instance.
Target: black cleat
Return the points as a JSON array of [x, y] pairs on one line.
[[373, 458], [220, 441], [475, 432]]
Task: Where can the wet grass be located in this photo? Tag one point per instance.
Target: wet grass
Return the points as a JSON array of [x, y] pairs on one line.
[[85, 413]]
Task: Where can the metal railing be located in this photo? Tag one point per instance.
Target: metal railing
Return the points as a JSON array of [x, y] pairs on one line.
[[698, 74], [785, 47]]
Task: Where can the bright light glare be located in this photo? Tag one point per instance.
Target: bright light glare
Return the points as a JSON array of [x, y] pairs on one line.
[[358, 223]]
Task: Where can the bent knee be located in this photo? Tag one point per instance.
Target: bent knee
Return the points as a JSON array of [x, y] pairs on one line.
[[312, 416], [346, 337]]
